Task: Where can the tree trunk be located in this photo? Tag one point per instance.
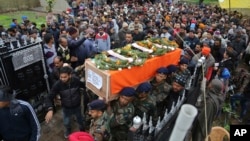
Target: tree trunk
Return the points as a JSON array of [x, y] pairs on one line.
[[200, 2]]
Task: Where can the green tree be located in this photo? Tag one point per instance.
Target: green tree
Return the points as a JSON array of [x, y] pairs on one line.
[[201, 1], [50, 5]]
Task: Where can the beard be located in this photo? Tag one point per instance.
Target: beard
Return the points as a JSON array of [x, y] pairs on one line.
[[101, 33], [217, 47]]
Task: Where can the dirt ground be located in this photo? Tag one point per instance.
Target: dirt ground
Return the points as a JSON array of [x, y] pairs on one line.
[[225, 120]]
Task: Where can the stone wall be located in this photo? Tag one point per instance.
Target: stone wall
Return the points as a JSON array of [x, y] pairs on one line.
[[15, 5]]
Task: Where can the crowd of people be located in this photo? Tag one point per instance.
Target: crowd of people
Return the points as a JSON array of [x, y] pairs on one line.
[[209, 33]]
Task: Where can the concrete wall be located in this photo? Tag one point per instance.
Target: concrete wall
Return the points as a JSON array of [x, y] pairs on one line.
[[15, 5], [60, 5]]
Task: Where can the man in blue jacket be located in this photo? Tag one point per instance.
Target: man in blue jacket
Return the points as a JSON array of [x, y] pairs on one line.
[[77, 50], [18, 121]]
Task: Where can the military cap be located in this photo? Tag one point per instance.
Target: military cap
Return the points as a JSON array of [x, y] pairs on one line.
[[162, 70], [128, 91], [144, 87], [97, 105], [171, 68], [184, 61]]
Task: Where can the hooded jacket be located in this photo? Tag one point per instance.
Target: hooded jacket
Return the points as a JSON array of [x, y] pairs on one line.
[[214, 101]]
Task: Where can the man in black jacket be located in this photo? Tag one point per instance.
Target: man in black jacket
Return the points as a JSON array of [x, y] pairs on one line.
[[68, 87], [128, 39]]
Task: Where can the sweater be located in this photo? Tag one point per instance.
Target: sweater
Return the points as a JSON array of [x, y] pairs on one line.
[[49, 54], [89, 45], [102, 42]]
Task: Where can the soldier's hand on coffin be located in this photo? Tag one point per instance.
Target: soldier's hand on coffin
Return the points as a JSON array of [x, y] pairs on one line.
[[105, 100], [49, 116], [109, 109], [132, 129]]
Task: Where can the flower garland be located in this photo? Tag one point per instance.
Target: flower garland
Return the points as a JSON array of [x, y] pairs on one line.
[[104, 62], [160, 46]]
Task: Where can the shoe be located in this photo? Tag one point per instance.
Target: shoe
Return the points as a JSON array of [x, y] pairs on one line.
[[240, 120], [66, 135]]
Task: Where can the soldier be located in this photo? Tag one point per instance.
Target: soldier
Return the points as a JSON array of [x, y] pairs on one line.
[[183, 65], [144, 103], [160, 89], [122, 114], [99, 127], [171, 73]]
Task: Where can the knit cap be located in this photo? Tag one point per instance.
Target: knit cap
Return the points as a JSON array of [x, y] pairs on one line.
[[180, 79]]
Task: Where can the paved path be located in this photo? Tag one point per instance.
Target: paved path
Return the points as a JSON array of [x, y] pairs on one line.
[[54, 130]]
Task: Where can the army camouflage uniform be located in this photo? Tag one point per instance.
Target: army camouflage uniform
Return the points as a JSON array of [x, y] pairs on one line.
[[160, 93], [121, 121], [241, 80], [99, 128], [147, 106]]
